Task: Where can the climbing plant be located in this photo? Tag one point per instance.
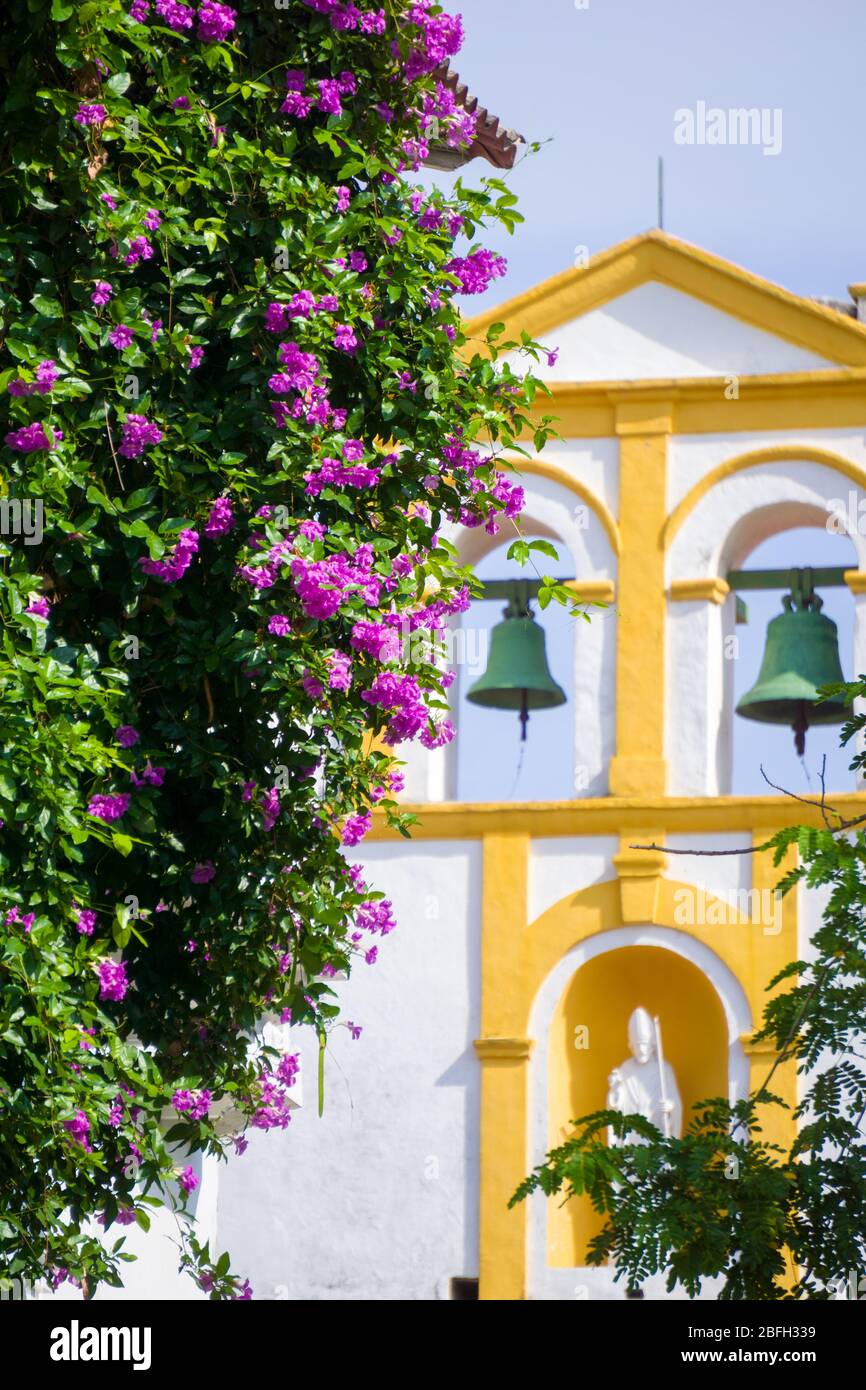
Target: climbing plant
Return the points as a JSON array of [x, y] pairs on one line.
[[239, 411]]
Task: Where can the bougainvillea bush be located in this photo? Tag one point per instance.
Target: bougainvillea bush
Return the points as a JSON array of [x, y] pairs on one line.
[[237, 410]]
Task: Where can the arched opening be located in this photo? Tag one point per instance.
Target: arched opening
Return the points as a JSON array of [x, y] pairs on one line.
[[796, 541], [588, 1038], [765, 510], [492, 762]]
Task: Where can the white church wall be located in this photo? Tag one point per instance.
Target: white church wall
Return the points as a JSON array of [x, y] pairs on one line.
[[654, 331], [692, 456], [566, 864], [378, 1199], [595, 462]]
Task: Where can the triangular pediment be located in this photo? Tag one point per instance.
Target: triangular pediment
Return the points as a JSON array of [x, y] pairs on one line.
[[655, 307]]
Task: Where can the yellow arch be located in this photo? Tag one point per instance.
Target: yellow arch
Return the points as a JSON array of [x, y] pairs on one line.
[[773, 453], [598, 909], [541, 469]]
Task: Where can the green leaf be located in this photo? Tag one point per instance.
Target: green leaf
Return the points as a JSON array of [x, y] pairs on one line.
[[48, 308], [118, 84]]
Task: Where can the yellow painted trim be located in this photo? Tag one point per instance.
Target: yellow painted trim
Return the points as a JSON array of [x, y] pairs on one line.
[[639, 873], [611, 815], [657, 256], [504, 1059], [593, 590], [829, 398], [856, 581], [540, 468], [493, 1049], [714, 590], [643, 418], [638, 766], [773, 453]]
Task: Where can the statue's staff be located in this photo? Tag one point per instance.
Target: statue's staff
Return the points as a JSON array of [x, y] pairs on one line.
[[661, 1061]]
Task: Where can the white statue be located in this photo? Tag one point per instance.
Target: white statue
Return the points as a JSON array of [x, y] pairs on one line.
[[645, 1084]]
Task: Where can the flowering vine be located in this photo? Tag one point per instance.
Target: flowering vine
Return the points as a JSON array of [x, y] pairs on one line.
[[236, 381]]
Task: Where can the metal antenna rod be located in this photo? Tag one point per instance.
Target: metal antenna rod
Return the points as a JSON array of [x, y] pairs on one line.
[[661, 194]]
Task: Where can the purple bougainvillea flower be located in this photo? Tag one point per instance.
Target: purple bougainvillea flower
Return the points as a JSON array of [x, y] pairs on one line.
[[102, 293], [86, 921], [329, 97], [108, 807], [151, 220], [196, 356], [203, 873], [113, 983], [79, 1128], [188, 1179], [126, 735], [138, 433], [90, 114], [215, 21], [344, 338], [356, 828], [140, 249], [30, 438], [181, 103], [178, 562], [178, 17], [120, 336], [45, 376], [279, 625], [220, 518], [270, 808], [476, 272], [39, 607]]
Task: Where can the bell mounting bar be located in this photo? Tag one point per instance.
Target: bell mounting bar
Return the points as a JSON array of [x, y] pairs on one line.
[[786, 579], [504, 588]]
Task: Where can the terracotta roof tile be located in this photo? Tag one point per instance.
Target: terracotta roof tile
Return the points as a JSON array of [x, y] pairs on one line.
[[492, 142]]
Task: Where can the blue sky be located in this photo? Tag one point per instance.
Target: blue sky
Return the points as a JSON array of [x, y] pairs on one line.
[[601, 84]]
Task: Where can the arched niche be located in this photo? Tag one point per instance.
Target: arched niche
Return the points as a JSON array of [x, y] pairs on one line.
[[704, 1012], [563, 511], [718, 529]]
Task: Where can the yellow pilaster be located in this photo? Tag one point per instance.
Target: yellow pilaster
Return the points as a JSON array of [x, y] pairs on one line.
[[504, 1056], [638, 767], [772, 946], [639, 872]]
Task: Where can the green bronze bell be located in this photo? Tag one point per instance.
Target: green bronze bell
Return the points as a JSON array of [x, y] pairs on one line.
[[801, 656], [517, 675]]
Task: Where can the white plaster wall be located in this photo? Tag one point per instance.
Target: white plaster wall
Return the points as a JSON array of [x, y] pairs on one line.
[[566, 864], [692, 456], [379, 1198], [719, 874], [595, 462], [656, 331], [155, 1274]]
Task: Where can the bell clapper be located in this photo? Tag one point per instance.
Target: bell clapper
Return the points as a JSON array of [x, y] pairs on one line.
[[800, 725], [524, 715]]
